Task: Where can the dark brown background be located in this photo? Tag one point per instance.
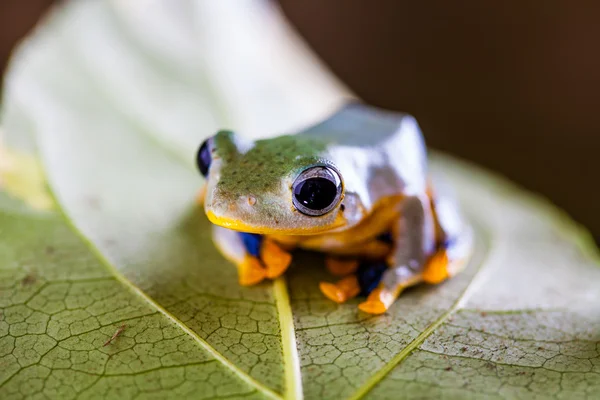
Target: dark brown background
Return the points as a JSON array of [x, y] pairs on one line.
[[512, 85]]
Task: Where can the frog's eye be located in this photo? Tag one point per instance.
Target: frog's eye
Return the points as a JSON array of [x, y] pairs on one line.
[[203, 158], [317, 190]]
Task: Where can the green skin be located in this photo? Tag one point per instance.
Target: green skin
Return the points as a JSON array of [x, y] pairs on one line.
[[378, 154]]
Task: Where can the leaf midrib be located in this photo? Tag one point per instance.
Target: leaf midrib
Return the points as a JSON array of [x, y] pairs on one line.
[[293, 377]]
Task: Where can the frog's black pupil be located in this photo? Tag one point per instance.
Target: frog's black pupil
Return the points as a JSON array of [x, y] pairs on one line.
[[203, 158], [316, 193]]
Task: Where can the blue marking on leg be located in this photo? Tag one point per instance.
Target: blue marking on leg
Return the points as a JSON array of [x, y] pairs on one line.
[[369, 275], [252, 243], [447, 243], [386, 238]]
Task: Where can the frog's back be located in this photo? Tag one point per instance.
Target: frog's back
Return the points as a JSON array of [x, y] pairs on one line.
[[384, 148], [357, 124]]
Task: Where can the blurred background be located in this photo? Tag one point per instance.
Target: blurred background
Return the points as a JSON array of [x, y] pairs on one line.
[[512, 86]]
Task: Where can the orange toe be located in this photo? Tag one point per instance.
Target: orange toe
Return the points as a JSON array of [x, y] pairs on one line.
[[436, 270], [372, 307], [378, 301], [332, 292], [276, 259], [341, 267], [341, 291], [251, 272]]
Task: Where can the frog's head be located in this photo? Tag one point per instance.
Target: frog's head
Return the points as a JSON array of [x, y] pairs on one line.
[[285, 185]]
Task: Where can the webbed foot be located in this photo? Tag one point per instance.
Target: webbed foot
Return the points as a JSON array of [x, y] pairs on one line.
[[436, 270], [251, 271], [342, 290], [268, 254], [390, 283], [364, 279], [275, 259], [255, 256], [449, 260], [378, 301]]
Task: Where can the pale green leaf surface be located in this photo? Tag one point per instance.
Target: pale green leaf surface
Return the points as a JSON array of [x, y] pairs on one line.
[[60, 305], [118, 100]]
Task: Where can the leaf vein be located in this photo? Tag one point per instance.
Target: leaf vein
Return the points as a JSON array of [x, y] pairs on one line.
[[124, 281]]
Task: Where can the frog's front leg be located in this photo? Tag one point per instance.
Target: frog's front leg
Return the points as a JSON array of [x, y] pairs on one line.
[[414, 243], [255, 256], [275, 259], [231, 245]]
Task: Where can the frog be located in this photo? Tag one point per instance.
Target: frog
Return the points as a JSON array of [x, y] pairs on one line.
[[355, 186]]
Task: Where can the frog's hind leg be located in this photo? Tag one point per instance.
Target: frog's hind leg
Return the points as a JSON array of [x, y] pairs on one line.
[[233, 247], [384, 295], [449, 260], [454, 238], [414, 240], [452, 244]]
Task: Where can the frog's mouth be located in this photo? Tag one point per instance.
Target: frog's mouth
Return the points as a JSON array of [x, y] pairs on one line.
[[276, 228]]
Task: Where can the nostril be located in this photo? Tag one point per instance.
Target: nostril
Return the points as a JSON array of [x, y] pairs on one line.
[[251, 200]]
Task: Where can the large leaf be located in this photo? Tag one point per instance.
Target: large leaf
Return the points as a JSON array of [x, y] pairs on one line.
[[115, 97]]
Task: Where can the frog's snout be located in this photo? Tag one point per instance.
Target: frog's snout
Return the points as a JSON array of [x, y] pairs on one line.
[[237, 213], [231, 207], [243, 203]]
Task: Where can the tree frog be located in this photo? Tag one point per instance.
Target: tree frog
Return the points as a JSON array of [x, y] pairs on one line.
[[355, 187]]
